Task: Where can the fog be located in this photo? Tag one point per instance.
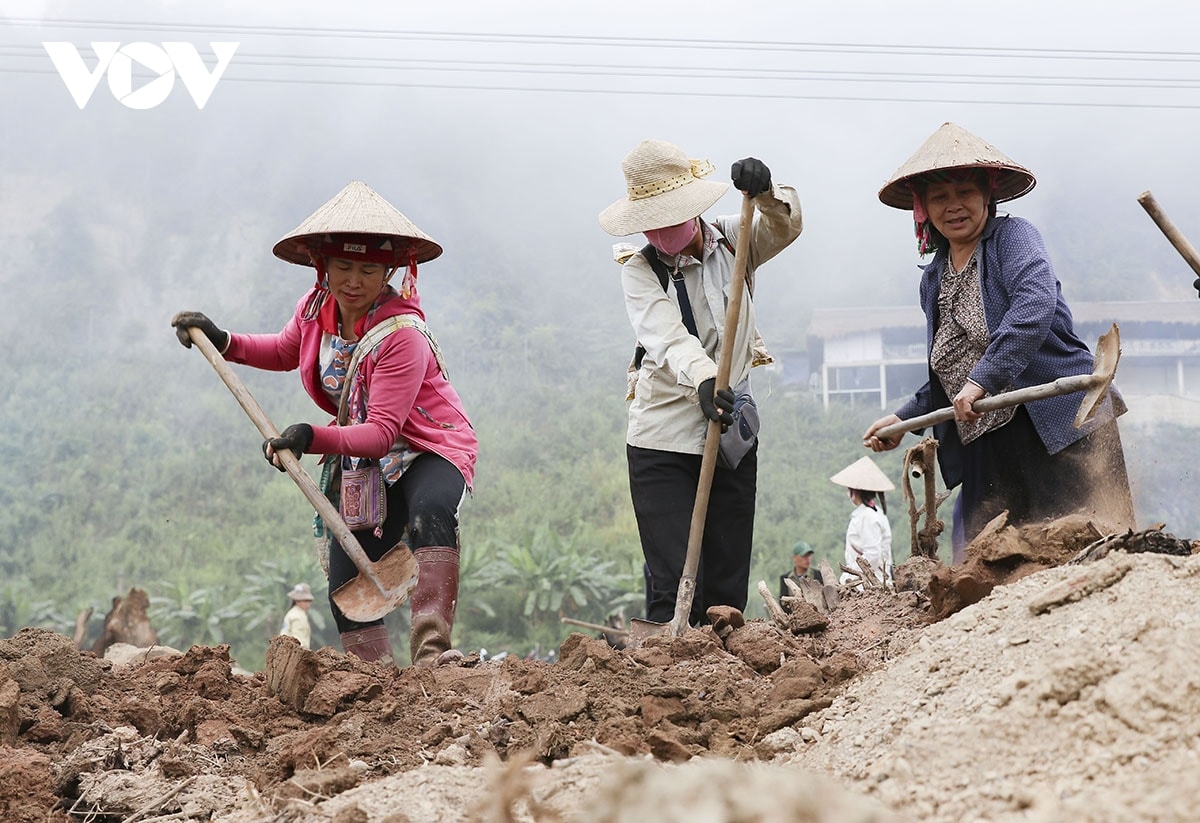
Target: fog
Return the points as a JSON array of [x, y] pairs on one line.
[[499, 129]]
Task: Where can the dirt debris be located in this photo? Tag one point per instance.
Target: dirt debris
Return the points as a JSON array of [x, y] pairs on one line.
[[126, 622], [1004, 554], [1034, 704], [315, 724]]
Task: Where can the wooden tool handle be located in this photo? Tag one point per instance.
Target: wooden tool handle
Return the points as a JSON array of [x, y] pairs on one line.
[[330, 515], [1173, 234], [594, 626], [1063, 385], [712, 441]]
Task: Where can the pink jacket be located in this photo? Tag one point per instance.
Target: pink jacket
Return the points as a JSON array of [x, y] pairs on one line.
[[407, 393]]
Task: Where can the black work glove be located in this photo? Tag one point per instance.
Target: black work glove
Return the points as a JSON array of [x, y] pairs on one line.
[[751, 176], [297, 437], [195, 320], [717, 406]]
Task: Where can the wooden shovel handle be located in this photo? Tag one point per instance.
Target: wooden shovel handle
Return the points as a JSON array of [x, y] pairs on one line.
[[1063, 385], [331, 516], [708, 463], [594, 626], [1173, 234]]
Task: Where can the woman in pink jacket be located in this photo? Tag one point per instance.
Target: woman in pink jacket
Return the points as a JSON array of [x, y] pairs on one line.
[[399, 414]]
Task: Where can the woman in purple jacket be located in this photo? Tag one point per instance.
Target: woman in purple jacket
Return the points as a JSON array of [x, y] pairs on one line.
[[398, 413], [997, 321]]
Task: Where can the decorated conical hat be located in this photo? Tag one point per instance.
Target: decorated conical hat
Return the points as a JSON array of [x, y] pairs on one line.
[[865, 475], [663, 188], [357, 209], [953, 147]]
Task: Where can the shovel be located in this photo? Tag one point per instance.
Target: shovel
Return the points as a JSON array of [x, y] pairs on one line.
[[640, 629], [1181, 244], [380, 586], [1108, 352], [596, 627]]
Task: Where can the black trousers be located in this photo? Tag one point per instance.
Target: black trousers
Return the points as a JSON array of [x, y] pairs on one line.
[[424, 502], [663, 487], [1009, 468]]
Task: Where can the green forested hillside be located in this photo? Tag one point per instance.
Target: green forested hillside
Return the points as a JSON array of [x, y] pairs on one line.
[[147, 473]]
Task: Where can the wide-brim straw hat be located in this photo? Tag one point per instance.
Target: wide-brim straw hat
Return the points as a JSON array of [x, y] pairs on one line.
[[953, 147], [357, 209], [301, 591], [863, 474], [663, 188]]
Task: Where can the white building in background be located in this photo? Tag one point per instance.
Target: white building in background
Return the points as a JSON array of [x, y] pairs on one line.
[[876, 355]]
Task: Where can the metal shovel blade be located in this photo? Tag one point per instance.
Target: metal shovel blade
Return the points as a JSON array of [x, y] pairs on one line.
[[1108, 352], [381, 587], [641, 629]]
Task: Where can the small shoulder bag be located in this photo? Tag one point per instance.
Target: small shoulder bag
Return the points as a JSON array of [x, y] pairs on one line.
[[363, 501]]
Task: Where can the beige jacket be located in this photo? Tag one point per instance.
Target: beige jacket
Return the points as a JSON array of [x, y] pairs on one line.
[[665, 411], [295, 624]]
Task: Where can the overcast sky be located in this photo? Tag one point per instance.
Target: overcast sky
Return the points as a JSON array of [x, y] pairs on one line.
[[499, 128]]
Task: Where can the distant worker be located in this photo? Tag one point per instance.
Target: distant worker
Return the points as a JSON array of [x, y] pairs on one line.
[[802, 555], [869, 535], [295, 622]]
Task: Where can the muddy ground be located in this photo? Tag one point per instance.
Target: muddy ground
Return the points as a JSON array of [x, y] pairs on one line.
[[885, 714]]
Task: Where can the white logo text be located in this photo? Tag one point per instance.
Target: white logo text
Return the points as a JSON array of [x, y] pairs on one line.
[[116, 61]]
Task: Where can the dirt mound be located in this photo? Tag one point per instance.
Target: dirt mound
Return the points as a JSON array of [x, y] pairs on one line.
[[1067, 693], [196, 738], [1071, 694]]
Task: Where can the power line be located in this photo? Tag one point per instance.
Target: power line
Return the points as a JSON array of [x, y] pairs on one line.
[[640, 71], [684, 93], [630, 41], [688, 72], [683, 72]]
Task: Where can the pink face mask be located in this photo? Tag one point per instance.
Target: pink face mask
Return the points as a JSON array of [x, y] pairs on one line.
[[672, 239]]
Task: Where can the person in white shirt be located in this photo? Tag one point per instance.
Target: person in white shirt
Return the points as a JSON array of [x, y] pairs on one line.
[[295, 622], [676, 290], [869, 534]]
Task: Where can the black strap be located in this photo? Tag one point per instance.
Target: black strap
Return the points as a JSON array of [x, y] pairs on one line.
[[659, 267], [685, 305]]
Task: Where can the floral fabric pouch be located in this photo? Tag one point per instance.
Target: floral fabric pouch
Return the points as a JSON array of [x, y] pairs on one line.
[[364, 498]]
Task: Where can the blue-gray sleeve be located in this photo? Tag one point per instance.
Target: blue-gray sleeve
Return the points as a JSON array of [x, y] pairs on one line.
[[1024, 294]]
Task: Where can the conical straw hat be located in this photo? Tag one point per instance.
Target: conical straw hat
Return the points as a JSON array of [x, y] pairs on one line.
[[663, 188], [356, 209], [953, 147], [865, 475]]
